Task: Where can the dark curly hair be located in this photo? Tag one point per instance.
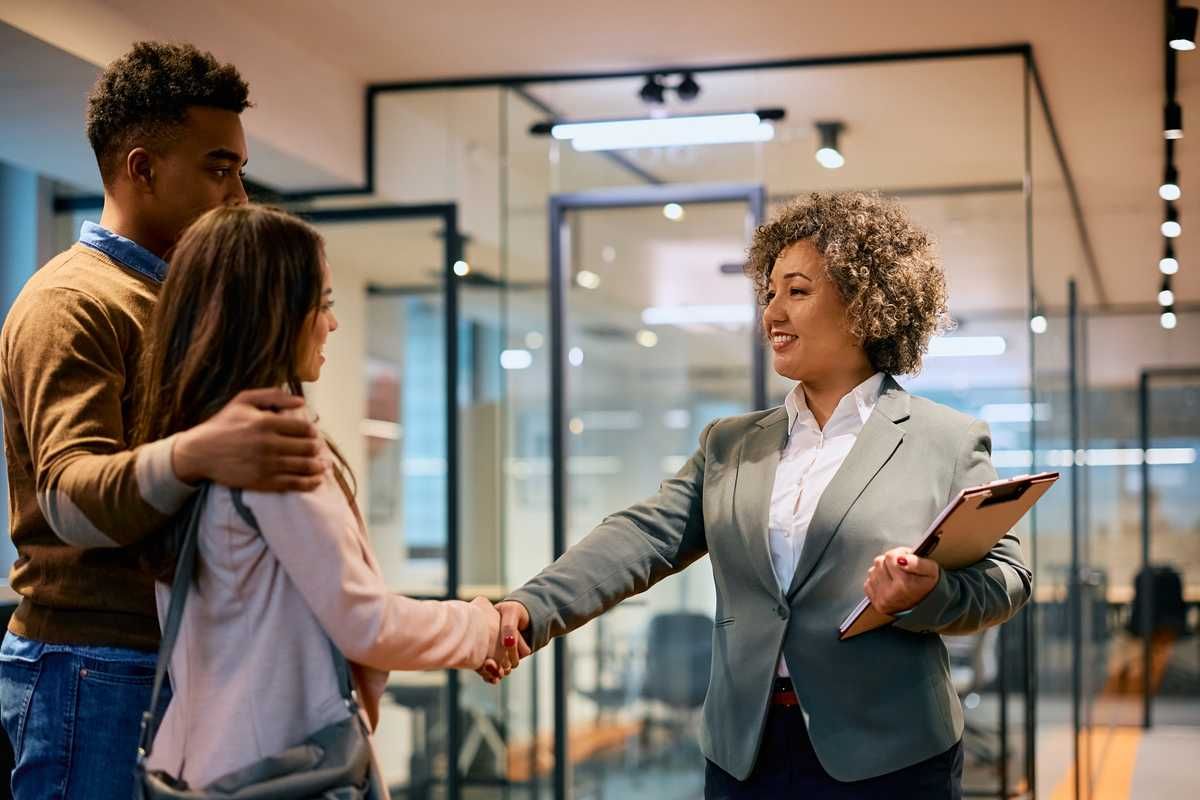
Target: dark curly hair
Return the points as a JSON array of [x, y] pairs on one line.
[[882, 265], [146, 93]]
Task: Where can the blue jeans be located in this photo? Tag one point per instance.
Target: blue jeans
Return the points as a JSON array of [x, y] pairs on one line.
[[73, 715]]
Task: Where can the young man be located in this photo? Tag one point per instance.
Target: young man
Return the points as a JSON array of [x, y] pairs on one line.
[[78, 659]]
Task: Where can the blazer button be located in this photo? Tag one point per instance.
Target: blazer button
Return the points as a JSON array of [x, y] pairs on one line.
[[781, 611]]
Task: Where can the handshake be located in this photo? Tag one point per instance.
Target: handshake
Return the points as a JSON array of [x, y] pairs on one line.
[[509, 646]]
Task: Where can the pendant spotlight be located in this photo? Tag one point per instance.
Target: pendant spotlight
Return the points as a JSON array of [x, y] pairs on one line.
[[1172, 121], [1168, 319], [1169, 190], [828, 155], [1168, 265], [653, 92], [1171, 227], [1166, 297], [1183, 28], [688, 90]]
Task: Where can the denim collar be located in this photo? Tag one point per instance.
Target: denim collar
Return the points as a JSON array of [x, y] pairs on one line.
[[124, 251]]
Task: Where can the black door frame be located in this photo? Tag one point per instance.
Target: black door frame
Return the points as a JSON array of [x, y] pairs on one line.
[[447, 213]]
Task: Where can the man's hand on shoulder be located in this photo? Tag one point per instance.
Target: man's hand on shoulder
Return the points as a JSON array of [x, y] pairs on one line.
[[249, 444]]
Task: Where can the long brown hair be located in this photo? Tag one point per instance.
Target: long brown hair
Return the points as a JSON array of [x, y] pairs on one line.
[[242, 284]]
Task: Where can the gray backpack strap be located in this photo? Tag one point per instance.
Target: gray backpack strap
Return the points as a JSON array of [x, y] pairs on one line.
[[341, 668], [185, 569]]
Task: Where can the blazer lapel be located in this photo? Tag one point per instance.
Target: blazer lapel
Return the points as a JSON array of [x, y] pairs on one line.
[[754, 484], [879, 438]]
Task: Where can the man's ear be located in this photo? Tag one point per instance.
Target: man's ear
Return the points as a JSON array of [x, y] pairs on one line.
[[139, 167]]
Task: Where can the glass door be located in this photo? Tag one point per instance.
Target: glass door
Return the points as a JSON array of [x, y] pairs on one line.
[[656, 331]]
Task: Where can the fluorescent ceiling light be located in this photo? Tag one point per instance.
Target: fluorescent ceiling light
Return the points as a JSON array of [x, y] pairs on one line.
[[515, 359], [1097, 457], [677, 419], [610, 420], [699, 315], [966, 346], [632, 134], [1014, 412]]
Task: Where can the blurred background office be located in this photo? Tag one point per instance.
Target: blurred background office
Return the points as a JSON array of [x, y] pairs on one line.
[[538, 320]]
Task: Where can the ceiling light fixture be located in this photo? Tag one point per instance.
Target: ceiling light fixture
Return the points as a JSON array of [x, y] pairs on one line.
[[687, 89], [1183, 28], [1168, 265], [1168, 319], [1169, 190], [1171, 227], [653, 91], [697, 129], [1172, 121], [966, 346], [1166, 297], [828, 155]]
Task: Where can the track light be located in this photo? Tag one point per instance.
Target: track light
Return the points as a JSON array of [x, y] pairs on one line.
[[1037, 323], [653, 91], [1170, 185], [1168, 319], [1167, 265], [1171, 227], [688, 90], [828, 155], [1166, 297], [1172, 121], [1183, 28]]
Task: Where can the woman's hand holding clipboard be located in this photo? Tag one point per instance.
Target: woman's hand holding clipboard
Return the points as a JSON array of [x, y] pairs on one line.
[[963, 534]]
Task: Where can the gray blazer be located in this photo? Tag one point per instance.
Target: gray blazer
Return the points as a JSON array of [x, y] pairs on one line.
[[875, 703]]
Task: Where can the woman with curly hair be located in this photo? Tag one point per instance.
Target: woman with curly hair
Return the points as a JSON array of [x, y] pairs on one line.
[[798, 506]]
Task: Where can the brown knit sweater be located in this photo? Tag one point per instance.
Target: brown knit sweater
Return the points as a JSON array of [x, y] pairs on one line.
[[78, 497]]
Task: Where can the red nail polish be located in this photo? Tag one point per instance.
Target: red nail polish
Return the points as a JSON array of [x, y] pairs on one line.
[[902, 561], [510, 641]]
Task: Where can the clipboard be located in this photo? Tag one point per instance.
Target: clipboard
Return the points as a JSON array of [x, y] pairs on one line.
[[963, 533]]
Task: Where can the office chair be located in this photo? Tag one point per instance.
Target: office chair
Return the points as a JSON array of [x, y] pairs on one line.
[[678, 663], [974, 665]]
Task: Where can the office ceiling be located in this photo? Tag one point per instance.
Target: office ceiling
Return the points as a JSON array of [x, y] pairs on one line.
[[1100, 63]]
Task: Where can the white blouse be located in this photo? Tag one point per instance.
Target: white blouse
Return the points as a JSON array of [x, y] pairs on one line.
[[810, 459]]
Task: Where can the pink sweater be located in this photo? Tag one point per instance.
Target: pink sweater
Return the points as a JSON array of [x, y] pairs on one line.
[[252, 672]]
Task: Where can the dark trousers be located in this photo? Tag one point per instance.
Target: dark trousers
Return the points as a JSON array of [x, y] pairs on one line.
[[787, 767]]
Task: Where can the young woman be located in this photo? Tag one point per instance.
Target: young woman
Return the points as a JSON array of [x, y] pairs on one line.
[[248, 304]]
